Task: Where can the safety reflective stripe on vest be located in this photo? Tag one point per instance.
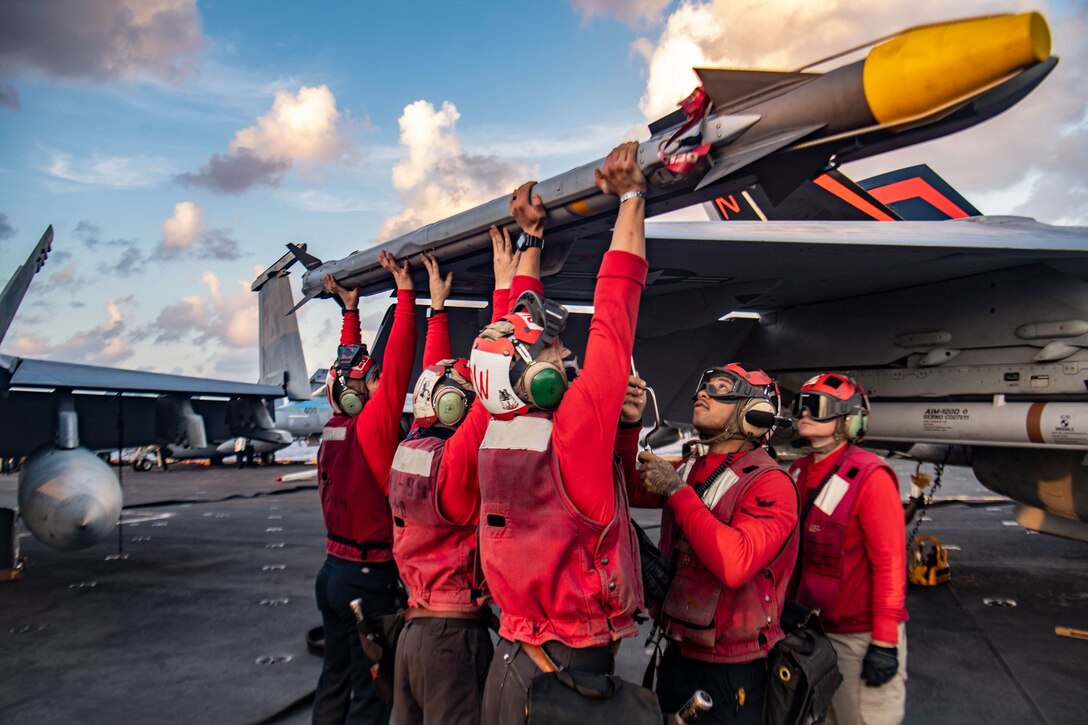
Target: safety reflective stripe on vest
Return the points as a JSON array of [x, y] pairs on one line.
[[437, 558]]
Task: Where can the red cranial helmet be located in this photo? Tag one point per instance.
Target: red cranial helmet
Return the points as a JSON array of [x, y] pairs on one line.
[[835, 395], [752, 390]]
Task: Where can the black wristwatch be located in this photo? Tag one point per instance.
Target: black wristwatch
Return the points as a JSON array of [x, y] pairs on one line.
[[528, 240], [431, 312]]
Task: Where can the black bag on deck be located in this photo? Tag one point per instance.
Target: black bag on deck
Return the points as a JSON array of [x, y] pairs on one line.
[[575, 697], [655, 574], [803, 669]]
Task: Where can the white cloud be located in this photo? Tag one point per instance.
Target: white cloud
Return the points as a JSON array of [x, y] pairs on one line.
[[103, 344], [183, 228], [301, 129], [438, 178], [214, 317]]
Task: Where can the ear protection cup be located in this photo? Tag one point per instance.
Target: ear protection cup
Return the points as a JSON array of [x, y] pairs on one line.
[[545, 385], [754, 404], [855, 425], [450, 405], [350, 402]]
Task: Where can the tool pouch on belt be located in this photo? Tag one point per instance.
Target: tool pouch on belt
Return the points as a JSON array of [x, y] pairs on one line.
[[803, 670], [574, 697], [379, 643]]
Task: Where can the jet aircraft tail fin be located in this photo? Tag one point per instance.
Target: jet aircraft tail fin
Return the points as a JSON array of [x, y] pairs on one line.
[[282, 359], [16, 288]]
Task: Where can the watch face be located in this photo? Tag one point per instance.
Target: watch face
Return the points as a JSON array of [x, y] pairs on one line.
[[522, 243]]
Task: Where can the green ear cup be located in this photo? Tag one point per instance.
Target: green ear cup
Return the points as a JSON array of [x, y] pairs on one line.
[[546, 388], [350, 402], [450, 407], [855, 425]]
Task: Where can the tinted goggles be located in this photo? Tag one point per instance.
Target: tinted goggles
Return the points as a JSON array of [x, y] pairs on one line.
[[350, 357], [820, 407], [726, 388]]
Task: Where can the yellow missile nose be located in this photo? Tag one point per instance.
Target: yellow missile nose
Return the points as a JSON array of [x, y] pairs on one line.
[[925, 69]]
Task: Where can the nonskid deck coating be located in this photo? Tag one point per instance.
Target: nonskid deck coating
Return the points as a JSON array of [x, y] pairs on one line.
[[173, 632]]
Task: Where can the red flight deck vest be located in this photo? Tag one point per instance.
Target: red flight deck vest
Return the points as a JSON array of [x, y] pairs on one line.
[[712, 622], [436, 557], [823, 535], [357, 517], [555, 573]]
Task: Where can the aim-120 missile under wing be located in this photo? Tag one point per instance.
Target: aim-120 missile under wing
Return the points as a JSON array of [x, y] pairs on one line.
[[775, 128]]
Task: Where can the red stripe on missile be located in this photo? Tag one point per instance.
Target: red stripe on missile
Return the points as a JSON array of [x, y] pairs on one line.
[[917, 188], [832, 186]]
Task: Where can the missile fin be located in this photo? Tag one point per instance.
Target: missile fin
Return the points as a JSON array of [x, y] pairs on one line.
[[277, 268], [738, 155], [304, 300], [729, 88], [308, 260]]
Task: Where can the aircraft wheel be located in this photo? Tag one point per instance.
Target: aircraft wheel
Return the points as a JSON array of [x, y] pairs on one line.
[[142, 465], [268, 458]]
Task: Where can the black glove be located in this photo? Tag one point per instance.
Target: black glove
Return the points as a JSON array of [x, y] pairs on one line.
[[880, 665]]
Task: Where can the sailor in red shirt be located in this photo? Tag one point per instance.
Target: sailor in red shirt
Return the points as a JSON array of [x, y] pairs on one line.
[[445, 648], [357, 448], [727, 529], [557, 547], [853, 554]]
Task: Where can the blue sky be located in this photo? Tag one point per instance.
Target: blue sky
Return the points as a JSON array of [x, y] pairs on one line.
[[177, 145]]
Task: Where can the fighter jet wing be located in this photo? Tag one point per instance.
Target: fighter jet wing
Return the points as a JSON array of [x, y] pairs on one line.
[[49, 374]]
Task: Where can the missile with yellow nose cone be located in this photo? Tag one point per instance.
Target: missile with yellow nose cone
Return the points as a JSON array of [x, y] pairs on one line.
[[772, 127]]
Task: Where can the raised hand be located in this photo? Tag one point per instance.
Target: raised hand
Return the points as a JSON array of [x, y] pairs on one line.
[[399, 271], [620, 173], [440, 288], [634, 402], [504, 257], [528, 210], [350, 297]]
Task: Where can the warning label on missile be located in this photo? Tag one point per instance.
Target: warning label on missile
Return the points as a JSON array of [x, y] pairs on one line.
[[940, 420], [1066, 431]]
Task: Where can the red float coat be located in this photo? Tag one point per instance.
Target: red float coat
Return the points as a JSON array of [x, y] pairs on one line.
[[734, 557], [356, 452], [555, 573], [575, 579], [853, 560], [436, 557], [435, 497]]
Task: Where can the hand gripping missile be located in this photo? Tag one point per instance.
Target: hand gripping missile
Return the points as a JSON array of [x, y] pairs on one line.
[[775, 128]]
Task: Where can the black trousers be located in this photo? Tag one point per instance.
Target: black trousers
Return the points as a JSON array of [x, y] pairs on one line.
[[507, 689], [679, 677], [345, 691], [440, 672]]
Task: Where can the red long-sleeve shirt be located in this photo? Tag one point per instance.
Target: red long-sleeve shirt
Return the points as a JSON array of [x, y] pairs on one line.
[[458, 485], [875, 560], [734, 552], [584, 424], [378, 425]]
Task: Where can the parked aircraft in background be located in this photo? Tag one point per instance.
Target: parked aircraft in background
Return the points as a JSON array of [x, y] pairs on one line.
[[58, 414]]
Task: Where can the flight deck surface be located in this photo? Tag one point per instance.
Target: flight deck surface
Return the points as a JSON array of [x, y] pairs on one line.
[[218, 580]]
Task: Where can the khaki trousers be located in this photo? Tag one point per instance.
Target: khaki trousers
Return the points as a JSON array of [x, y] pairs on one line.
[[856, 704]]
